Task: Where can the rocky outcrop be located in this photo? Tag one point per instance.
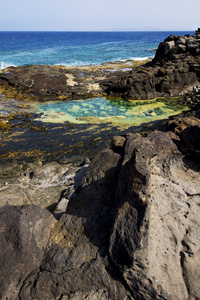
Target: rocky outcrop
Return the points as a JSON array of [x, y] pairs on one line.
[[182, 45], [174, 71], [151, 81], [131, 230], [157, 203], [45, 82], [48, 83]]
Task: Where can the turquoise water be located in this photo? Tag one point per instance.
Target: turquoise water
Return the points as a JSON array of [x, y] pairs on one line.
[[102, 110], [77, 48]]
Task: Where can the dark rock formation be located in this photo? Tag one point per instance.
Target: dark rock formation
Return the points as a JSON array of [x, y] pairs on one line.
[[25, 232], [48, 83], [174, 71], [173, 45], [130, 232]]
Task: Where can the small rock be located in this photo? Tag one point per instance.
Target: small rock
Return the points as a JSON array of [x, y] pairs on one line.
[[118, 143]]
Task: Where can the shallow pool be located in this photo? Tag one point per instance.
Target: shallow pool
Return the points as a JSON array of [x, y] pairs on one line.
[[116, 111]]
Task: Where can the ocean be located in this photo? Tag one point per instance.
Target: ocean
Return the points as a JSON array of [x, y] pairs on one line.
[[77, 48]]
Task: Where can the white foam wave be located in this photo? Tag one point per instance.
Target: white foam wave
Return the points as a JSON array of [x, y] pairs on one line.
[[112, 43], [79, 63], [4, 65], [132, 58], [140, 58], [76, 64]]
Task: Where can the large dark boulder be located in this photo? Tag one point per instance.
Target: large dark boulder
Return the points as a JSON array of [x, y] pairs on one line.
[[25, 232]]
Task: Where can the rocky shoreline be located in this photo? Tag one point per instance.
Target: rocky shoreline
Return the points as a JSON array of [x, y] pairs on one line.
[[46, 82], [174, 71], [124, 225]]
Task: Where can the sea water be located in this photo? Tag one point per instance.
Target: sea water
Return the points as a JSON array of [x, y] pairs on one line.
[[77, 48]]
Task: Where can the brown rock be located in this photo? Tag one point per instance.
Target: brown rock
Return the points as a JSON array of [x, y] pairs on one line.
[[177, 125], [118, 143], [25, 232], [157, 195], [131, 231]]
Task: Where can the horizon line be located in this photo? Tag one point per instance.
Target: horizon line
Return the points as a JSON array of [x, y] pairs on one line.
[[136, 30]]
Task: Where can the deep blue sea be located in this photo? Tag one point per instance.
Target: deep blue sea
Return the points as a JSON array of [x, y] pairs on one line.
[[77, 48]]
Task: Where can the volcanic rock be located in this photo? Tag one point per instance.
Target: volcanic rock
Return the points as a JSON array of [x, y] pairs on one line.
[[131, 230], [175, 70], [25, 232]]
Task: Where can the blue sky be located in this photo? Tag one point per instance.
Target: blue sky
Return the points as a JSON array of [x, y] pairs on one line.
[[91, 15]]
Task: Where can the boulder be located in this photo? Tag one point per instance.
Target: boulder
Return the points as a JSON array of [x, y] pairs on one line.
[[190, 137], [25, 232], [177, 125], [156, 234]]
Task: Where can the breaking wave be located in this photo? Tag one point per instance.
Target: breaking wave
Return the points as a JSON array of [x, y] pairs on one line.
[[4, 65]]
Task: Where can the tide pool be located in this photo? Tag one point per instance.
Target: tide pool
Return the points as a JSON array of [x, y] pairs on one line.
[[116, 111], [74, 129]]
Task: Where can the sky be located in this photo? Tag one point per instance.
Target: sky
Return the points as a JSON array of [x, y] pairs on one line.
[[101, 15]]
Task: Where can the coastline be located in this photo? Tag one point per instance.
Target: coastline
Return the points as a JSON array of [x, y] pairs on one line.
[[115, 209], [44, 83], [72, 83]]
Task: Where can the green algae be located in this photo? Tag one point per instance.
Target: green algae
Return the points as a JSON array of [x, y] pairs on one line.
[[50, 131], [123, 113]]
